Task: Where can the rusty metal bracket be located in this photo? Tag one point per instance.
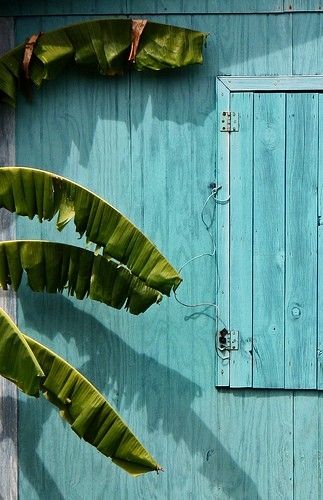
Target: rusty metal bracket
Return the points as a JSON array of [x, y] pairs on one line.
[[137, 27], [29, 49]]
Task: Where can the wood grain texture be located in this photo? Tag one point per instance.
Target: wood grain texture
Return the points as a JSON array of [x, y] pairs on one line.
[[263, 445], [301, 241], [90, 7], [308, 41], [241, 241], [303, 5], [254, 44], [8, 392], [223, 234], [269, 240], [320, 253], [307, 445], [272, 84], [156, 369]]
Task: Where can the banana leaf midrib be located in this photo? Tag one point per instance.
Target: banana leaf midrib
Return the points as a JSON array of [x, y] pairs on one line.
[[149, 264]]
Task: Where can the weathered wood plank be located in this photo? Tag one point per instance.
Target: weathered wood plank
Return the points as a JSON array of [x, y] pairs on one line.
[[223, 234], [320, 252], [308, 42], [94, 7], [8, 393], [80, 129], [241, 212], [301, 241], [303, 5], [262, 448], [254, 44], [272, 84], [269, 240], [307, 445]]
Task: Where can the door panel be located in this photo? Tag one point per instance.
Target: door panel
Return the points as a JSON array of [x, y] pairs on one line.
[[273, 235]]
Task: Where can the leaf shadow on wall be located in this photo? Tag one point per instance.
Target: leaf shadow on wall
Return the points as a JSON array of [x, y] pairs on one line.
[[30, 462], [126, 377], [87, 118]]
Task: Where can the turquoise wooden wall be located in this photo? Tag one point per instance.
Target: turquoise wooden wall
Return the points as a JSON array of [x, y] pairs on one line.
[[148, 144]]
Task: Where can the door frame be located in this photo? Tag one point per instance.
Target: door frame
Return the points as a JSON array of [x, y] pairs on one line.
[[225, 87]]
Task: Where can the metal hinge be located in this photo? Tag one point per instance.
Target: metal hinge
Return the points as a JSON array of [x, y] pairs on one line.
[[228, 340], [229, 121]]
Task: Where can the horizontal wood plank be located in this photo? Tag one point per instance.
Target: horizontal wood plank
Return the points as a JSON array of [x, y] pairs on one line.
[[272, 84], [92, 7]]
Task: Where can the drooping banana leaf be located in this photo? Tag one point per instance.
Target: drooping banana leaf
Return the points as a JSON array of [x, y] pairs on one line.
[[35, 369], [17, 361], [53, 267], [102, 45], [31, 192]]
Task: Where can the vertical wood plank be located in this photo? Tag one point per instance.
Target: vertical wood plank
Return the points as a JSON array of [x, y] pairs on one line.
[[307, 444], [262, 446], [301, 241], [302, 5], [255, 44], [320, 252], [241, 211], [223, 233], [8, 392], [269, 240], [308, 41]]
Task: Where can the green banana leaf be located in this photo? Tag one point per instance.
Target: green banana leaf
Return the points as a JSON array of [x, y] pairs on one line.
[[52, 267], [102, 45], [31, 192], [35, 369]]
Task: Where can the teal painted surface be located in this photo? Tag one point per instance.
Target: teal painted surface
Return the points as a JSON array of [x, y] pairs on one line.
[[301, 241], [241, 219], [222, 223], [273, 163], [92, 7], [149, 145], [320, 253], [269, 238]]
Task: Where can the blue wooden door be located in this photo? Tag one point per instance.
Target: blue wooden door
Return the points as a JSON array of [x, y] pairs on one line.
[[273, 283]]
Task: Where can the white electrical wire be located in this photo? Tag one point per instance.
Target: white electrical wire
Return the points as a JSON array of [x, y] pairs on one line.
[[213, 195]]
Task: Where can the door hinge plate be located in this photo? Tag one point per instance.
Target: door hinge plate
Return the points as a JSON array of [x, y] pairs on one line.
[[228, 340], [229, 121]]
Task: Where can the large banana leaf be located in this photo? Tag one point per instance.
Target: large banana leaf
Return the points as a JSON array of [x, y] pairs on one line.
[[102, 45], [31, 192], [52, 267], [35, 369], [17, 361]]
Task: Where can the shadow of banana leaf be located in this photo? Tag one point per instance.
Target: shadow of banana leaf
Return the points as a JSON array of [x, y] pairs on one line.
[[30, 459], [125, 377]]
